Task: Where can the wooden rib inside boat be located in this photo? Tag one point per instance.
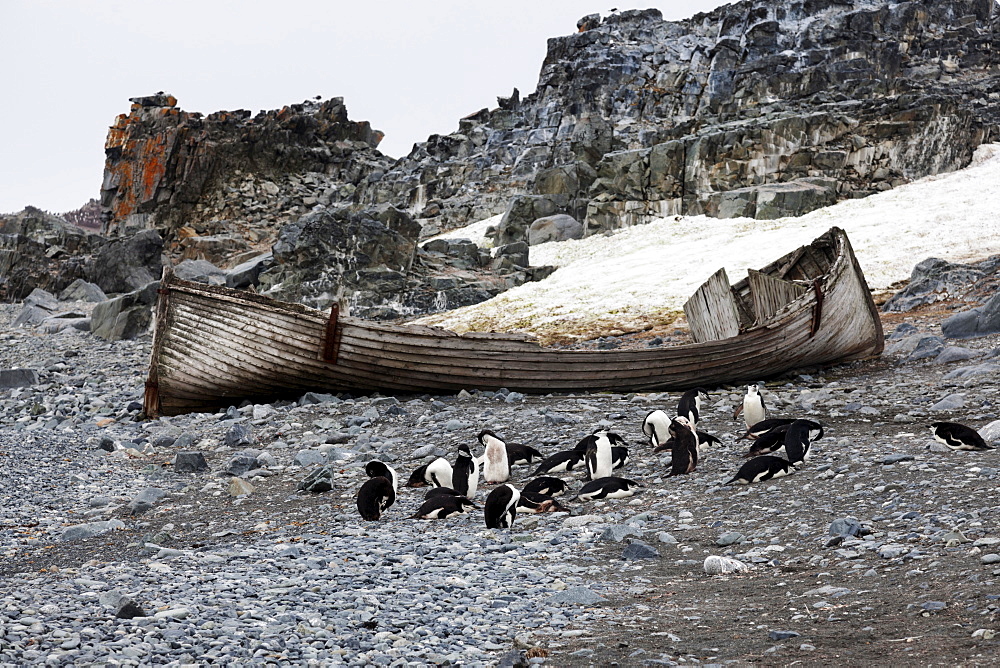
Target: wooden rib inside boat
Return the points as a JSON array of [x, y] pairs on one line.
[[214, 347]]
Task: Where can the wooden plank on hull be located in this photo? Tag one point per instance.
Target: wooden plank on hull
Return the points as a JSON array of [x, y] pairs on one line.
[[711, 312], [771, 294]]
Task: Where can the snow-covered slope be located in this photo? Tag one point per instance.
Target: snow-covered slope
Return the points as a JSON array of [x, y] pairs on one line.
[[641, 276]]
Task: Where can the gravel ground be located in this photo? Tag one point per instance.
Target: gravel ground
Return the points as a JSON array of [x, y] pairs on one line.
[[95, 521]]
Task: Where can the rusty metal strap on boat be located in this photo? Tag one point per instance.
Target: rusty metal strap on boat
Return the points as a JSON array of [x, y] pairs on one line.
[[818, 309], [331, 341]]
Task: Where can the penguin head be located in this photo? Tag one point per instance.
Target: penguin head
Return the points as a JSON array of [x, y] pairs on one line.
[[752, 389], [375, 468], [464, 451], [487, 434]]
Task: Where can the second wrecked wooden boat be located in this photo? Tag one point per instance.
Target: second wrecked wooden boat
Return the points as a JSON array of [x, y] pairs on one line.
[[214, 347]]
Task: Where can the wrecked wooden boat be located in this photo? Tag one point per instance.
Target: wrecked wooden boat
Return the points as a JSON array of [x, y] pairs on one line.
[[214, 347]]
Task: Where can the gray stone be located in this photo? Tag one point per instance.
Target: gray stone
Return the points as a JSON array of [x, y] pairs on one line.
[[989, 559], [190, 462], [897, 458], [91, 529], [729, 538], [125, 317], [617, 533], [846, 526], [980, 321], [576, 596], [145, 500], [310, 458], [637, 550], [242, 462], [991, 432], [949, 403], [200, 271], [951, 354], [934, 606], [782, 635], [37, 307], [972, 371], [559, 227], [903, 330], [927, 346], [12, 378], [129, 609], [82, 291], [248, 273], [127, 264], [317, 398], [319, 480], [238, 436]]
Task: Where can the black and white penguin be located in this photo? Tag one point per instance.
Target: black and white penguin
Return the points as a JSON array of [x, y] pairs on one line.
[[379, 491], [418, 478], [759, 469], [465, 473], [567, 460], [799, 437], [448, 491], [442, 506], [518, 453], [546, 485], [375, 468], [753, 407], [532, 502], [501, 507], [684, 454], [619, 456], [599, 457], [592, 437], [764, 426], [496, 466], [958, 437], [768, 442], [655, 426], [689, 405], [438, 473], [611, 487]]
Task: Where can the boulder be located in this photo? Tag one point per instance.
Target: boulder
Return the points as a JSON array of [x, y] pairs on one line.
[[931, 280], [773, 200], [200, 271], [39, 250], [82, 291], [247, 273], [559, 227], [979, 321], [127, 264], [125, 317], [212, 248], [37, 307], [13, 378], [522, 211]]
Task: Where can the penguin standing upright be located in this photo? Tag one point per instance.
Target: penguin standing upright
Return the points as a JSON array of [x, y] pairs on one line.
[[465, 473], [599, 457], [379, 491], [689, 405], [685, 450], [753, 407], [496, 465], [501, 507], [655, 426]]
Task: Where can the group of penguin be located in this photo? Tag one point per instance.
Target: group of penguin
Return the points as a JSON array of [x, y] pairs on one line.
[[453, 487]]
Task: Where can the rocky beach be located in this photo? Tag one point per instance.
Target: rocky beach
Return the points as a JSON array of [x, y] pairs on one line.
[[117, 550]]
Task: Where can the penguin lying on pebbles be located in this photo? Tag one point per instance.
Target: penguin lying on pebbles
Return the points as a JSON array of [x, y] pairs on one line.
[[753, 407], [436, 474], [465, 474], [799, 437], [958, 436], [547, 485], [531, 502], [567, 460], [689, 405], [611, 487], [619, 457], [441, 506], [759, 469], [518, 453], [754, 432], [379, 491], [501, 507], [774, 439], [684, 457], [496, 465]]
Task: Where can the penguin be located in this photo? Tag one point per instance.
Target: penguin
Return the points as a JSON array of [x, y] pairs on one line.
[[753, 407], [685, 450], [768, 442], [496, 466], [958, 436], [439, 473], [619, 456], [799, 436], [418, 478], [447, 491], [655, 426], [465, 474], [567, 460], [518, 453], [599, 457], [532, 502], [591, 438], [379, 491], [760, 469], [546, 485], [442, 506], [764, 426], [375, 467], [689, 405], [704, 439], [501, 507], [611, 487]]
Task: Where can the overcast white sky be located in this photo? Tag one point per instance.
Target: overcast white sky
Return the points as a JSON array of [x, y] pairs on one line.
[[410, 68]]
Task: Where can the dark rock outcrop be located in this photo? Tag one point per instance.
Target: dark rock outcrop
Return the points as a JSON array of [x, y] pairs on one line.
[[125, 317], [935, 279]]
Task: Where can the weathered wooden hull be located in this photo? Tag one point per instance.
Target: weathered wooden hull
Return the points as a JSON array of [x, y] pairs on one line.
[[215, 347]]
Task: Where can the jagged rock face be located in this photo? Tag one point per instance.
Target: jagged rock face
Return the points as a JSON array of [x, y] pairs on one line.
[[39, 250], [864, 93], [188, 176]]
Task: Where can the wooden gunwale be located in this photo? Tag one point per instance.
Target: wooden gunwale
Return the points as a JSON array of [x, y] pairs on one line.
[[260, 340]]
